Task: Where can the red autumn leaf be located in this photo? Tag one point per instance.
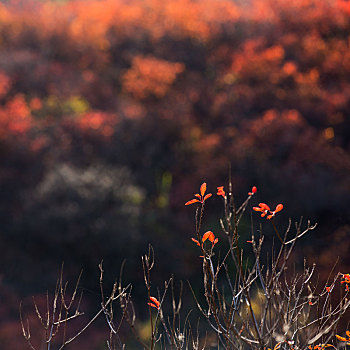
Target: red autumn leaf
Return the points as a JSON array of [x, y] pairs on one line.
[[253, 191], [195, 241], [264, 206], [211, 237], [207, 196], [203, 188], [279, 207], [206, 236], [221, 191], [201, 198], [341, 338], [154, 302], [192, 201]]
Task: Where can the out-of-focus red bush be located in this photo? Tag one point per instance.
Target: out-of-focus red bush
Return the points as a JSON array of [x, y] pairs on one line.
[[170, 92]]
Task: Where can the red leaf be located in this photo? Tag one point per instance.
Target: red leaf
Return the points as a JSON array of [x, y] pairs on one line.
[[340, 338], [192, 201], [211, 237], [153, 305], [221, 191], [278, 208], [206, 236], [207, 196], [195, 241], [155, 301], [264, 206], [258, 209], [203, 188], [254, 189]]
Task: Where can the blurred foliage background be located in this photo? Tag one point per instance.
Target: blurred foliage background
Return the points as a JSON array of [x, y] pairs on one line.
[[113, 112]]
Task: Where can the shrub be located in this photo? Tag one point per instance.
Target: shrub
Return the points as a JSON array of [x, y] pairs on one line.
[[248, 301]]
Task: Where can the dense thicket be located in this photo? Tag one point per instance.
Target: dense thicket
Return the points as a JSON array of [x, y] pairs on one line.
[[111, 112]]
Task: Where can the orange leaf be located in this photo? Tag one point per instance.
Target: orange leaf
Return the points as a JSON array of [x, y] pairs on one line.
[[203, 188], [192, 201], [264, 206], [206, 235], [153, 305], [207, 196], [278, 208], [221, 191], [211, 237], [195, 241], [340, 338], [253, 191], [156, 302], [216, 241]]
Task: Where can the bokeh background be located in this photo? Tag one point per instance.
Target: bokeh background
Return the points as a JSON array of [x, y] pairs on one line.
[[113, 112]]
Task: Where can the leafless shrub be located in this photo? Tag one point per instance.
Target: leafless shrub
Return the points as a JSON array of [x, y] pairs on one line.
[[60, 311]]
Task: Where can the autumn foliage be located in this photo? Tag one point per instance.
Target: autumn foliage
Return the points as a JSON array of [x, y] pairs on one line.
[[112, 112]]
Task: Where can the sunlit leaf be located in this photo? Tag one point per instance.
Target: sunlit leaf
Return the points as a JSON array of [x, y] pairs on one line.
[[203, 188]]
